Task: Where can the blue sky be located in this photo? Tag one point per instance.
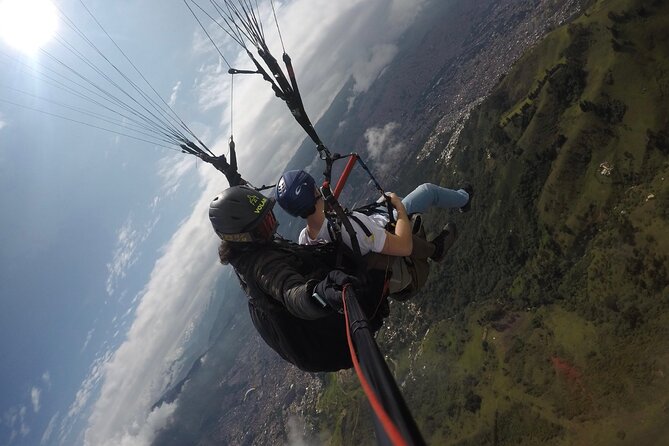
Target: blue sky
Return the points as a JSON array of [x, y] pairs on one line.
[[107, 259]]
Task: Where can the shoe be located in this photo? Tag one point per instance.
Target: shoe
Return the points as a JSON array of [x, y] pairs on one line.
[[443, 242], [470, 191]]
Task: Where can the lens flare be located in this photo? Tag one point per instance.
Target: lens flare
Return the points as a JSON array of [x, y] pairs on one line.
[[26, 25]]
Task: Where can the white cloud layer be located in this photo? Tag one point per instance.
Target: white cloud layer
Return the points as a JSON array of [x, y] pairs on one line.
[[14, 419], [89, 336], [366, 71], [329, 42], [35, 394], [84, 394], [139, 370], [156, 420], [46, 436], [46, 379], [382, 145], [175, 93], [125, 254], [171, 169]]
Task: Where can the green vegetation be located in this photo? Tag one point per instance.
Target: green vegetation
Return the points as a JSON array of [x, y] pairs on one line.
[[549, 322], [342, 406]]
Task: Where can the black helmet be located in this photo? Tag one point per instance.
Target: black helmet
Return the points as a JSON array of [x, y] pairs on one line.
[[295, 193], [242, 214]]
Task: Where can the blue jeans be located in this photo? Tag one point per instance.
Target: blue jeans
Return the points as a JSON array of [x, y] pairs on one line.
[[427, 195]]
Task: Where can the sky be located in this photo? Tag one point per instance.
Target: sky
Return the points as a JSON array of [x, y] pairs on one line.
[[107, 257]]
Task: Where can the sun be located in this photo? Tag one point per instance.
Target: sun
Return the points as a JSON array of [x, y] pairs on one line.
[[26, 25]]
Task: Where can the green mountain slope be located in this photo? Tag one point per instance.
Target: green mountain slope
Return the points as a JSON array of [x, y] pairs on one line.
[[549, 321]]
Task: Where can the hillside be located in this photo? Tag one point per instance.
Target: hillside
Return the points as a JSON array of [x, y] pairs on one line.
[[549, 322]]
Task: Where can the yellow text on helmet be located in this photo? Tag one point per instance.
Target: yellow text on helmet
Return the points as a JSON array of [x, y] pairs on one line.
[[259, 206]]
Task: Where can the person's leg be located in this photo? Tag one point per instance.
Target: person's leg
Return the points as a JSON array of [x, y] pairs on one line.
[[426, 195], [422, 249], [443, 242]]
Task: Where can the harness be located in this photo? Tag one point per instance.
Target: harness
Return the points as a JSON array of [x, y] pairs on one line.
[[335, 234]]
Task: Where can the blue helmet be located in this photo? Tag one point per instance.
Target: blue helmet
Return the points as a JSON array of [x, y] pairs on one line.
[[295, 193]]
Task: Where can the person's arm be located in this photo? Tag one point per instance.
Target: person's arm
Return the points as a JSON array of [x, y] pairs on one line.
[[275, 276], [401, 242]]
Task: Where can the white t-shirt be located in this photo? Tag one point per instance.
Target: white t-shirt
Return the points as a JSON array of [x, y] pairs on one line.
[[375, 223]]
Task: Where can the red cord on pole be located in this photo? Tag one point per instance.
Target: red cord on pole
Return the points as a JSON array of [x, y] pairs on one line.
[[393, 432]]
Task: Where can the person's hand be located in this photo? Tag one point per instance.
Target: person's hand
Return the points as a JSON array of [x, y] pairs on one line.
[[394, 199], [329, 290]]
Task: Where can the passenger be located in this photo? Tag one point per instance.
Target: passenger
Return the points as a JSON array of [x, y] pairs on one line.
[[298, 195]]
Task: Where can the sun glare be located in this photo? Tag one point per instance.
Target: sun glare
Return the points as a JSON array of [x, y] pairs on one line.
[[27, 24]]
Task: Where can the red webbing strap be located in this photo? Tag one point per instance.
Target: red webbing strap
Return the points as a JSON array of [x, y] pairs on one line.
[[344, 175], [388, 426]]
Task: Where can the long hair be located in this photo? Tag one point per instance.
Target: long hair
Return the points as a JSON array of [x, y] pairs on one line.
[[225, 252]]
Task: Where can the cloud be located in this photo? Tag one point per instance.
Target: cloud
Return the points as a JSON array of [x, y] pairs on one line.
[[14, 419], [139, 371], [382, 145], [35, 394], [214, 86], [46, 436], [171, 170], [46, 379], [155, 421], [366, 71], [175, 92], [85, 392], [89, 336], [125, 254], [295, 428]]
